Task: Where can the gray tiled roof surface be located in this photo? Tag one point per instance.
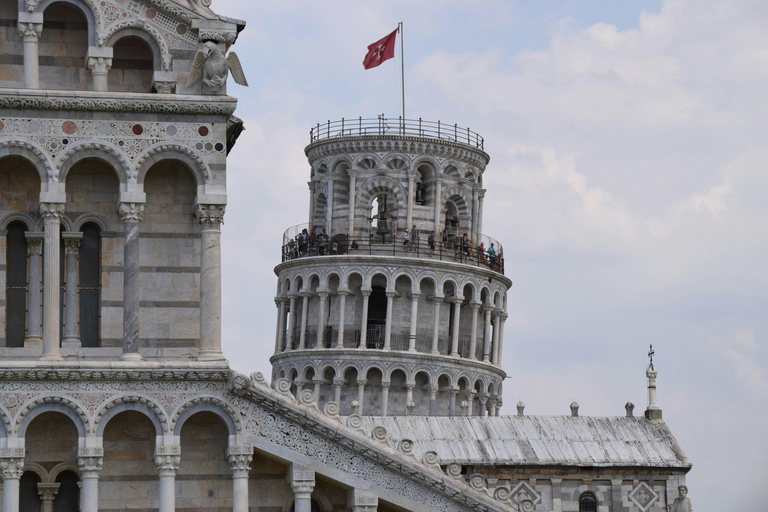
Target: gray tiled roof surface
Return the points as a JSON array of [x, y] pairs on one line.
[[538, 440]]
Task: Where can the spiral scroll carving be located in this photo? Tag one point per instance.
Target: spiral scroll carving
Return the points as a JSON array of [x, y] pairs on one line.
[[477, 481], [431, 459], [354, 421], [453, 469], [331, 409], [283, 386], [526, 506], [406, 446], [379, 433], [502, 494], [307, 397]]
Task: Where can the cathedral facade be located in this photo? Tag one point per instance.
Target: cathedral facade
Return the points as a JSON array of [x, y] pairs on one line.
[[115, 125]]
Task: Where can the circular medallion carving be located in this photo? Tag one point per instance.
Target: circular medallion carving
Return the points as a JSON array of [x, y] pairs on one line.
[[137, 129], [203, 131], [181, 29], [2, 125], [69, 127], [150, 14], [111, 13]]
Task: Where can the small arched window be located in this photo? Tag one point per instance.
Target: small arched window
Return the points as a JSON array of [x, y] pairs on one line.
[[587, 502], [16, 285], [90, 285]]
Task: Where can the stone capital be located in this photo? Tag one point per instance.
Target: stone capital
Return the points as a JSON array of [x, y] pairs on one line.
[[353, 174], [366, 293], [90, 466], [131, 212], [362, 382], [99, 65], [338, 382], [359, 501], [29, 32], [71, 242], [34, 242], [390, 295], [475, 306], [47, 490], [239, 463], [53, 211], [167, 464], [480, 193], [210, 215], [11, 467]]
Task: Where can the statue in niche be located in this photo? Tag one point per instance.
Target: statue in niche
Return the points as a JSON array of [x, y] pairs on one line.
[[211, 65], [681, 503]]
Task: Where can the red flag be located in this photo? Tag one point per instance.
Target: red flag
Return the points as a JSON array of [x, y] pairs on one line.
[[381, 50]]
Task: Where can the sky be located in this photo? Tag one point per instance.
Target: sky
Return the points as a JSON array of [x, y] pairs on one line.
[[627, 183]]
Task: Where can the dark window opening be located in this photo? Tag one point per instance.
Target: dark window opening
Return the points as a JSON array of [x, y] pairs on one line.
[[587, 502], [16, 286], [377, 317], [68, 497], [90, 285], [29, 499]]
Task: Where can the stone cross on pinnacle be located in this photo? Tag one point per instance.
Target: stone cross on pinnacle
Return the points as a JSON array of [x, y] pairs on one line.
[[650, 355]]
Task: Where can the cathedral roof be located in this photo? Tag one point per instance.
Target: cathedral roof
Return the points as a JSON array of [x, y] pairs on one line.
[[538, 440]]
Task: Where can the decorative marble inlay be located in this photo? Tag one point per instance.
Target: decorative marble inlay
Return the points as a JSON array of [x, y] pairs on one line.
[[643, 496], [126, 13]]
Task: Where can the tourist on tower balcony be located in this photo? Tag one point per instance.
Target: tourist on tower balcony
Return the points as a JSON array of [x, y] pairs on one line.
[[431, 242], [492, 256], [481, 253]]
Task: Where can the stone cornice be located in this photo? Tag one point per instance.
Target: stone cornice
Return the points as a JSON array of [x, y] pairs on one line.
[[398, 144], [116, 102], [105, 373]]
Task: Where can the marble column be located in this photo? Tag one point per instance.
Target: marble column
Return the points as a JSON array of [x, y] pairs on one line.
[[337, 383], [167, 465], [496, 329], [483, 408], [438, 206], [384, 397], [480, 196], [456, 323], [71, 306], [493, 406], [303, 332], [321, 319], [89, 480], [342, 309], [239, 458], [471, 403], [302, 482], [317, 382], [329, 211], [131, 214], [452, 405], [473, 333], [436, 326], [47, 492], [388, 326], [99, 61], [11, 470], [35, 251], [291, 321], [311, 185], [414, 322], [30, 26], [52, 213], [616, 501], [487, 341], [360, 501], [432, 396], [475, 208], [409, 213], [557, 500], [503, 318], [364, 321], [360, 394], [280, 303], [352, 192], [210, 216], [409, 406]]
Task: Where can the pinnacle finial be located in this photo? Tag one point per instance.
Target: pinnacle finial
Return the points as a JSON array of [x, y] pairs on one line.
[[650, 356]]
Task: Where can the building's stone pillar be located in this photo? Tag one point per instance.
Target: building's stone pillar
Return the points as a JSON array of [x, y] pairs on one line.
[[480, 197], [47, 492], [303, 332], [359, 501], [483, 408], [167, 460], [29, 26], [502, 320], [342, 309], [409, 213], [164, 82], [239, 458], [452, 405], [616, 501], [492, 405], [34, 250], [280, 303], [456, 323], [210, 216], [337, 383], [473, 332], [52, 213], [89, 480], [496, 329], [487, 341], [436, 326], [321, 319], [432, 397], [384, 398], [352, 192], [317, 382], [71, 337], [131, 214], [291, 321], [364, 322], [329, 211], [302, 482], [388, 326], [557, 499], [438, 205], [99, 61], [360, 394], [409, 405], [475, 207], [414, 322], [471, 404], [11, 469], [311, 185]]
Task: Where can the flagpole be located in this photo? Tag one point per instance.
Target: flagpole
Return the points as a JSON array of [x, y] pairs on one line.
[[402, 71]]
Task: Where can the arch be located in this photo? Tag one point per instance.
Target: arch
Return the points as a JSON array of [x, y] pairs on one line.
[[457, 191], [179, 152], [102, 150], [367, 161], [397, 161], [22, 217], [205, 406], [39, 470], [379, 185], [40, 406], [32, 153], [88, 8], [161, 55], [342, 160], [61, 468], [129, 406], [93, 218], [426, 159], [348, 273]]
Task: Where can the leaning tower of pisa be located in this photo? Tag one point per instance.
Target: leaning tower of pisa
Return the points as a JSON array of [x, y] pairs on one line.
[[373, 312]]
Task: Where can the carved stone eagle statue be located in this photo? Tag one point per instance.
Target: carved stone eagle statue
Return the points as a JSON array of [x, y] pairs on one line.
[[212, 66]]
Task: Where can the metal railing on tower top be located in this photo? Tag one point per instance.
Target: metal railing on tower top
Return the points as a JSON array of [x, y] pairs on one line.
[[394, 126]]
